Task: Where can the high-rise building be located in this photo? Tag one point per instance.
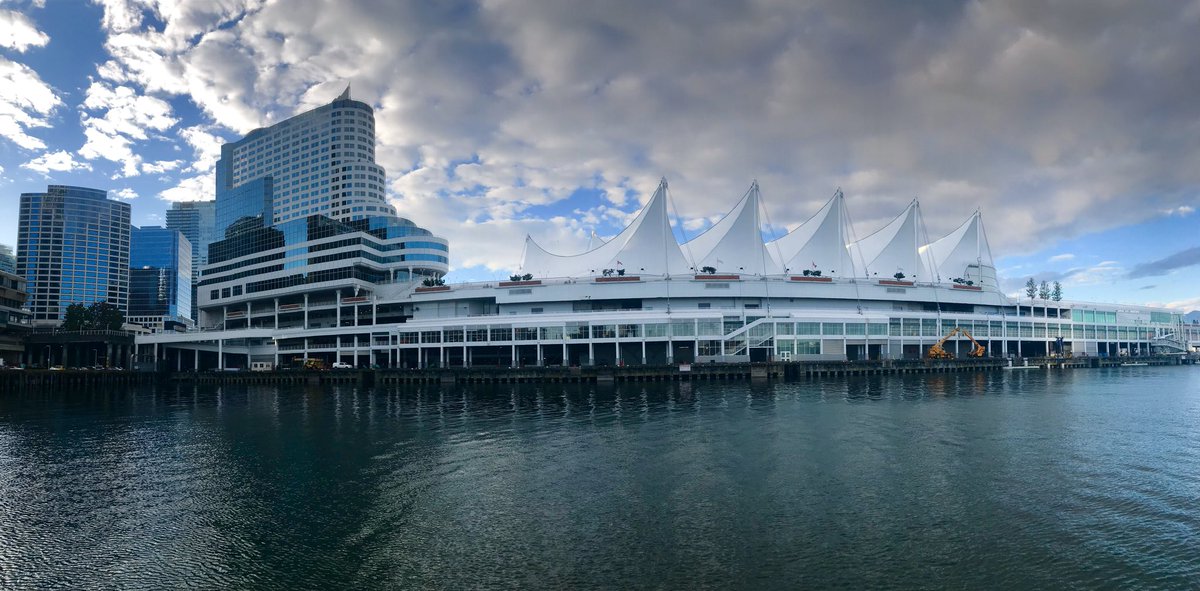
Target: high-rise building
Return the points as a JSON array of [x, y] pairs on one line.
[[72, 247], [160, 278], [197, 221], [321, 162], [8, 261], [302, 212]]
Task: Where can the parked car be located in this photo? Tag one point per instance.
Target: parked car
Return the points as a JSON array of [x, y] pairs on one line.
[[342, 365]]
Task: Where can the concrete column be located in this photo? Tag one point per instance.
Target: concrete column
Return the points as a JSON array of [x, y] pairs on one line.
[[374, 309], [591, 350], [643, 348], [220, 353], [306, 315], [337, 300], [276, 323], [178, 359], [196, 358], [512, 360], [337, 345]]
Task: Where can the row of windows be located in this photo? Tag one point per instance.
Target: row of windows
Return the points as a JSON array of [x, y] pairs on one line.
[[757, 334]]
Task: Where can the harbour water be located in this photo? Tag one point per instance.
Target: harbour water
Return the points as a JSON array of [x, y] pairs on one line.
[[1059, 479]]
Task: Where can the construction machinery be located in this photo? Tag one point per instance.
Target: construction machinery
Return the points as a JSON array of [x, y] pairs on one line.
[[937, 352]]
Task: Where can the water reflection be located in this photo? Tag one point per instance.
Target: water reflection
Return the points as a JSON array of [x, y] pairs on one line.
[[1015, 479]]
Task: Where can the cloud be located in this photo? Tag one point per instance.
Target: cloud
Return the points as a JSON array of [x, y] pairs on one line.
[[126, 194], [1181, 211], [1066, 256], [25, 102], [123, 117], [18, 32], [1147, 287], [195, 188], [160, 166], [60, 161], [206, 147], [1047, 116], [1183, 258]]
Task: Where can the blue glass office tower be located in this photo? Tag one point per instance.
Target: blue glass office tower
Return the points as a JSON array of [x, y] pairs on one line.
[[72, 247], [303, 218], [160, 278], [197, 221]]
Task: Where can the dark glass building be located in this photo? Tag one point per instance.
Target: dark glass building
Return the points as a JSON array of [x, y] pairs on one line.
[[160, 278], [72, 247]]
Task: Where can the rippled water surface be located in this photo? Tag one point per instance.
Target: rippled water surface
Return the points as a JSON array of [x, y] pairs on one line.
[[1081, 479]]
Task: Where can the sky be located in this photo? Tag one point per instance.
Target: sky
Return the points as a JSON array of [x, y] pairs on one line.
[[1074, 126]]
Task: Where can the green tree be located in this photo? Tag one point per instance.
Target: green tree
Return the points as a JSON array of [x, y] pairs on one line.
[[1056, 292], [1044, 291], [106, 316], [77, 317], [1030, 288]]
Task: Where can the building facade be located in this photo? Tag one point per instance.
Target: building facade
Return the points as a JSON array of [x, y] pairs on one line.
[[160, 279], [14, 319], [197, 221], [72, 247], [302, 217]]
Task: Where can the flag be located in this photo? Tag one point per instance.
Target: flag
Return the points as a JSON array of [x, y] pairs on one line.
[[814, 264], [620, 263]]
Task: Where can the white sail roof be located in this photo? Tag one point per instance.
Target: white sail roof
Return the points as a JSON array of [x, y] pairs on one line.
[[895, 248], [819, 244], [734, 244], [964, 253], [594, 240], [646, 246]]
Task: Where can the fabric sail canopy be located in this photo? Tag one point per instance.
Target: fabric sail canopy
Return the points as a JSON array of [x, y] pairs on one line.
[[646, 246]]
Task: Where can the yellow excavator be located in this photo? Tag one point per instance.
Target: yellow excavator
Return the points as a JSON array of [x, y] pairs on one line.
[[937, 352]]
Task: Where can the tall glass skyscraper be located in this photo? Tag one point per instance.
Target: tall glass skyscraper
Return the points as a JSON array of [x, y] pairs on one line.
[[72, 247], [302, 217], [160, 278], [321, 162], [196, 220]]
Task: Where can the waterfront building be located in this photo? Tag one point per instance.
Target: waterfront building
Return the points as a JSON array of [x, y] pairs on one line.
[[197, 221], [307, 237], [724, 296], [160, 279], [72, 247], [14, 319], [8, 261]]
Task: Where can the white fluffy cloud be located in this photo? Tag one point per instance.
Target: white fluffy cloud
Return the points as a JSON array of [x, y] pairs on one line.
[[195, 188], [25, 102], [1050, 117], [18, 32], [117, 116], [60, 161], [126, 194]]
